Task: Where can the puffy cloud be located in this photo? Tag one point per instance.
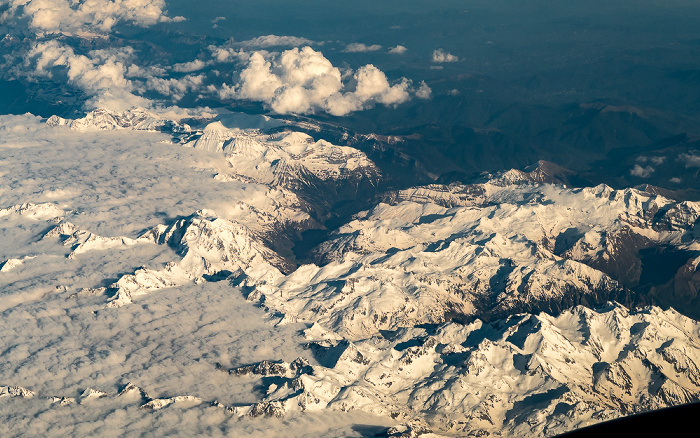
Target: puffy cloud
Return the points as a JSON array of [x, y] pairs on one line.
[[136, 71], [642, 172], [228, 54], [188, 67], [74, 16], [224, 91], [299, 80], [359, 48], [440, 56], [304, 81], [398, 50], [691, 159], [655, 160], [175, 88], [266, 41], [341, 104], [373, 84], [102, 76], [424, 91], [257, 80], [216, 20], [239, 50]]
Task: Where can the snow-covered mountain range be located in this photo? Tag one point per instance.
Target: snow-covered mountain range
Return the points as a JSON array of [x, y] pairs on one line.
[[513, 304], [527, 375]]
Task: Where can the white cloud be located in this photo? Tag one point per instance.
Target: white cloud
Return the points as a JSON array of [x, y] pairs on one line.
[[175, 88], [398, 50], [257, 80], [642, 172], [216, 20], [440, 55], [266, 41], [233, 51], [224, 91], [655, 160], [372, 83], [103, 75], [360, 48], [74, 16], [136, 71], [228, 54], [691, 159], [188, 67], [424, 91], [675, 180], [304, 81], [238, 50], [299, 80]]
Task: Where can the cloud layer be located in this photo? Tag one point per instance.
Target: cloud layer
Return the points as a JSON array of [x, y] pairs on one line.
[[56, 345]]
